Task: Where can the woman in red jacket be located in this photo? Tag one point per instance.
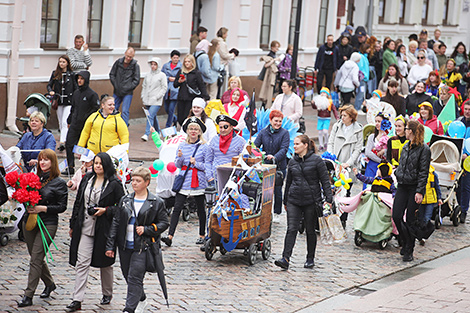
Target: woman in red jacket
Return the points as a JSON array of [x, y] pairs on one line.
[[427, 118]]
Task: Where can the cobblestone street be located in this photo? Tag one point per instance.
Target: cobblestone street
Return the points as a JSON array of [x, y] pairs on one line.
[[226, 283]]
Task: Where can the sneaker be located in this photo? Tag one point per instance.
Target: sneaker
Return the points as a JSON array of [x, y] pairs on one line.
[[276, 218], [282, 263], [167, 241], [360, 112], [309, 263], [144, 138], [200, 241]]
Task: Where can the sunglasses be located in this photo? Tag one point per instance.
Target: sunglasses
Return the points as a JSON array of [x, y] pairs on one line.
[[225, 126], [421, 58]]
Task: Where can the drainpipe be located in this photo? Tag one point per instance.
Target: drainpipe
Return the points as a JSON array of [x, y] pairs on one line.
[[370, 16], [12, 84]]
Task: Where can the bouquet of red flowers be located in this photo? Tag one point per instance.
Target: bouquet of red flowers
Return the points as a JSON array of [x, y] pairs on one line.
[[26, 186]]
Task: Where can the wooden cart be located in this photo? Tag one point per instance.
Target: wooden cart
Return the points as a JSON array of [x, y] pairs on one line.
[[249, 231]]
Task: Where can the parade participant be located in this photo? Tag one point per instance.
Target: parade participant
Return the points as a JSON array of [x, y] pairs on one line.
[[61, 86], [427, 118], [440, 103], [237, 108], [97, 199], [416, 98], [79, 55], [324, 106], [376, 140], [274, 141], [53, 202], [223, 147], [198, 111], [412, 175], [450, 75], [104, 129], [171, 70], [288, 102], [463, 192], [303, 195], [382, 181], [38, 138], [433, 83], [432, 197], [394, 98], [396, 143], [140, 219], [393, 73], [233, 82], [192, 157]]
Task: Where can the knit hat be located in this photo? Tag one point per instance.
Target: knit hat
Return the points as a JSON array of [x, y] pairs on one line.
[[199, 102], [378, 93], [356, 57], [325, 90], [203, 45]]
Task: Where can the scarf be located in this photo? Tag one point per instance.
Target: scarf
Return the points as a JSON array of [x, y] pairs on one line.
[[224, 142], [194, 176]]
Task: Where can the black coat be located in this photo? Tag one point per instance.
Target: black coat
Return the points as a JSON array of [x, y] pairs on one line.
[[53, 195], [344, 51], [124, 79], [108, 199], [194, 79], [152, 215], [84, 102], [64, 95], [415, 99], [414, 166], [304, 176]]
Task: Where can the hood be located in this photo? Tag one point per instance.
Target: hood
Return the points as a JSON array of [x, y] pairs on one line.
[[116, 112], [159, 63], [309, 154], [86, 76], [349, 65]]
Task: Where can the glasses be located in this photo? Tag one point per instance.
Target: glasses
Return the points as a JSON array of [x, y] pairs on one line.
[[225, 126], [421, 58]]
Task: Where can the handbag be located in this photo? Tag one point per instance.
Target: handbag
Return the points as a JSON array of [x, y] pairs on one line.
[[54, 103], [262, 73], [152, 256], [179, 180]]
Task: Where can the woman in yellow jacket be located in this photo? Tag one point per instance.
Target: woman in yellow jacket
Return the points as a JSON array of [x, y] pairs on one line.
[[104, 129]]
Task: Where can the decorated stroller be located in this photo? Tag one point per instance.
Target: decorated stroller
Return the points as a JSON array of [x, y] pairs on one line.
[[446, 154]]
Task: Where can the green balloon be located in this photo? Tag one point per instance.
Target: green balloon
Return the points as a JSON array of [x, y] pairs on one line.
[[427, 134], [158, 165]]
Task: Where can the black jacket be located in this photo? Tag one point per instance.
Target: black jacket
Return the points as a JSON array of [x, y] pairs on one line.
[[63, 92], [304, 176], [152, 215], [109, 199], [84, 102], [53, 195], [344, 51], [414, 166], [124, 79], [194, 79], [415, 99]]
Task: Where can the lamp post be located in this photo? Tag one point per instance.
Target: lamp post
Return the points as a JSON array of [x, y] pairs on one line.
[[293, 71]]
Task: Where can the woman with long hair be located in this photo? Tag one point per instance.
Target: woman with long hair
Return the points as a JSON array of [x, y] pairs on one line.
[[307, 176], [96, 202], [412, 176], [53, 201], [402, 60], [461, 57], [433, 83], [389, 55], [288, 102], [394, 72], [191, 85], [285, 65], [394, 98], [222, 49], [61, 86]]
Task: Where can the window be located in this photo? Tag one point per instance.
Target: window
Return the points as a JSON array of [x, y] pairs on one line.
[[135, 25], [266, 23], [401, 14], [322, 23], [424, 12], [293, 17], [95, 17], [50, 21], [381, 10], [445, 20]]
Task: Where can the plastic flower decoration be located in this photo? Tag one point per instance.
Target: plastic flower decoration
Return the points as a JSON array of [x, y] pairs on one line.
[[385, 125]]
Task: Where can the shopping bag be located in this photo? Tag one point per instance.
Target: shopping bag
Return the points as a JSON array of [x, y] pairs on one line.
[[325, 234], [336, 229]]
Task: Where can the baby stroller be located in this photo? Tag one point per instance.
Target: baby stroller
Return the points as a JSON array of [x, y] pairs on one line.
[[39, 101], [446, 154]]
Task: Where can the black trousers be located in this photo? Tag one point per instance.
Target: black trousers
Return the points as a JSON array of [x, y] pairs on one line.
[[328, 74], [73, 135], [201, 213], [183, 107], [405, 200], [346, 97], [294, 215], [133, 265]]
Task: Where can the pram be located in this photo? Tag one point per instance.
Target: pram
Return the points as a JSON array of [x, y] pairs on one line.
[[446, 155], [43, 105]]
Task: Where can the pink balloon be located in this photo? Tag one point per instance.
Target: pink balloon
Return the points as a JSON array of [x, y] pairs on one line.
[[171, 167]]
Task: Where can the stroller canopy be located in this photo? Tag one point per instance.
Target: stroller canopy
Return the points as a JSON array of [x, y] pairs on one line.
[[41, 102], [445, 156]]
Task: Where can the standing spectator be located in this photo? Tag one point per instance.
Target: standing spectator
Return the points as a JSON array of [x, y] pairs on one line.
[[306, 178], [463, 192], [364, 68], [225, 55], [233, 82], [154, 88], [344, 49], [419, 71], [61, 86], [125, 77], [171, 69], [80, 59], [360, 37], [416, 98], [202, 59], [441, 55], [190, 86], [347, 78], [96, 202], [402, 60], [389, 56], [460, 56], [288, 102], [268, 74], [326, 63], [84, 102], [285, 65], [372, 83], [432, 41], [410, 54], [215, 68], [139, 221], [200, 34], [274, 141], [53, 201], [394, 73], [412, 175], [234, 67], [376, 59], [430, 55]]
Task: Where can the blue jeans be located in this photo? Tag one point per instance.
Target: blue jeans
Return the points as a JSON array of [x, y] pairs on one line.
[[170, 106], [360, 94], [126, 104], [425, 212], [153, 110], [463, 192]]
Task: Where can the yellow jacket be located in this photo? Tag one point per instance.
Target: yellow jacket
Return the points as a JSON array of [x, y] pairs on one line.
[[431, 194], [102, 133]]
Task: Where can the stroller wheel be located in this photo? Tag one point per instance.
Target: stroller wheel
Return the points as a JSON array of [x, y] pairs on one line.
[[4, 240], [358, 240], [266, 249], [456, 215], [383, 244], [185, 214], [209, 249], [252, 253], [222, 250]]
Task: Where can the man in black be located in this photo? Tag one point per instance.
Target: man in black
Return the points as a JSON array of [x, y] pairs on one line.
[[359, 38], [84, 102], [326, 63]]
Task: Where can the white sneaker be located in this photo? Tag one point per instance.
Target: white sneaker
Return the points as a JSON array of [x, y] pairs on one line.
[[144, 138], [276, 218], [360, 112], [141, 306]]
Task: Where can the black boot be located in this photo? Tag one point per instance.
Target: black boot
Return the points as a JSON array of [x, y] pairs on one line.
[[26, 301], [74, 306], [47, 291]]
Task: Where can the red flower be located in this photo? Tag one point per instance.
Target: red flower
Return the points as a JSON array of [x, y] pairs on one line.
[[21, 195], [34, 197], [30, 181], [12, 179]]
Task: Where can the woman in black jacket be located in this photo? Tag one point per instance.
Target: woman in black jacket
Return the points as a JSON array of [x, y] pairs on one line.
[[99, 193], [303, 196], [61, 86], [53, 201], [190, 84], [416, 98], [412, 175], [140, 220]]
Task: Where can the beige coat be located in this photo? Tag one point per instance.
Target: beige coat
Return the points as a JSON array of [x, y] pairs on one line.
[[266, 92], [292, 109], [225, 56], [346, 151]]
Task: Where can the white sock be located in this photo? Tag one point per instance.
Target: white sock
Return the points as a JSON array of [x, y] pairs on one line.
[[320, 137]]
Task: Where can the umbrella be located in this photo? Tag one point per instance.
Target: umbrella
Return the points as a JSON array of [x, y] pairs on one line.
[[161, 276]]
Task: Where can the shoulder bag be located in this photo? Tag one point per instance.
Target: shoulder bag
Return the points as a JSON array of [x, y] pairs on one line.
[[179, 180]]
